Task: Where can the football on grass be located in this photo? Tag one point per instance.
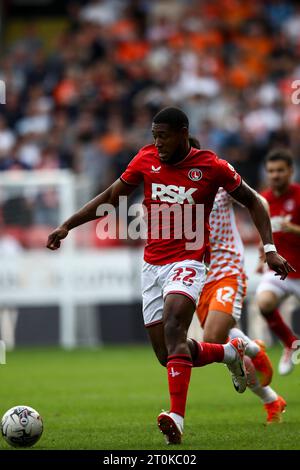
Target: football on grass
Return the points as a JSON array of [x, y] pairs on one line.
[[21, 426]]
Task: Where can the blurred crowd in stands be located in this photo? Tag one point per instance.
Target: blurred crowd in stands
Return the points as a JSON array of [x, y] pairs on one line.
[[87, 103]]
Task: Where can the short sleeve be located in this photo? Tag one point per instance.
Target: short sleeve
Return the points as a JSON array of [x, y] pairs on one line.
[[228, 178], [133, 174]]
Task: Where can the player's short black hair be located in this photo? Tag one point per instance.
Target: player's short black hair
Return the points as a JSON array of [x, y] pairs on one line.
[[194, 142], [280, 154], [172, 116]]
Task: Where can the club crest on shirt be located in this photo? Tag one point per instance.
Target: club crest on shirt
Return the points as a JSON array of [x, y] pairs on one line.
[[195, 174], [289, 205]]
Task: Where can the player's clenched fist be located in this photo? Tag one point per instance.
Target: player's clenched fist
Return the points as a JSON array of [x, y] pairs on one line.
[[54, 238]]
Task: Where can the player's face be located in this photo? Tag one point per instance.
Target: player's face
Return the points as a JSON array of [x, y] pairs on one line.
[[170, 143], [279, 174]]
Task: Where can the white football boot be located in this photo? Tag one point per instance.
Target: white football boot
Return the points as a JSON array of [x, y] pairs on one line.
[[237, 367], [171, 427], [286, 364]]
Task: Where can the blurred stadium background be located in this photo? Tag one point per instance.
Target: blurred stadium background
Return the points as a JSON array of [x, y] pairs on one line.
[[83, 80]]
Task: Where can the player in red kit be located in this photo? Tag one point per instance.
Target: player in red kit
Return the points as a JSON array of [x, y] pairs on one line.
[[179, 180], [284, 205]]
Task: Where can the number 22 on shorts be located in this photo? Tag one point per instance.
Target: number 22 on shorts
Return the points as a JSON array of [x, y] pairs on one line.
[[184, 275]]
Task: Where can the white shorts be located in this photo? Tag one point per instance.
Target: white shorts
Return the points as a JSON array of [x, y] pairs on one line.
[[183, 277], [270, 282]]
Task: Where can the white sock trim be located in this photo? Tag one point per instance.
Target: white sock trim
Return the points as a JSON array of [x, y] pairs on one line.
[[252, 348], [229, 353], [266, 394]]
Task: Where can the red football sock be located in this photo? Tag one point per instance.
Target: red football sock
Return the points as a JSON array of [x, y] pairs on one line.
[[277, 325], [179, 373], [208, 353]]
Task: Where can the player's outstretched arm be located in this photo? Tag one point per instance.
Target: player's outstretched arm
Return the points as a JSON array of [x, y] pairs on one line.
[[89, 211], [259, 213], [260, 268]]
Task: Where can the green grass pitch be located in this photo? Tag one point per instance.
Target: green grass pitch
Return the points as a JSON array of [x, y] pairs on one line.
[[109, 399]]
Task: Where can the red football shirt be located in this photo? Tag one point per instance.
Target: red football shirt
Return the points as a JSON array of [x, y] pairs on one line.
[[192, 181], [287, 205]]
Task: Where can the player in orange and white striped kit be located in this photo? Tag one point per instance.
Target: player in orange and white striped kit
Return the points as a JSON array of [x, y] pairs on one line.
[[221, 300]]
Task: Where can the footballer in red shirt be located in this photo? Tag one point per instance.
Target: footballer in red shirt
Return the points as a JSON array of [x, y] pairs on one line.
[[283, 198], [180, 184]]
